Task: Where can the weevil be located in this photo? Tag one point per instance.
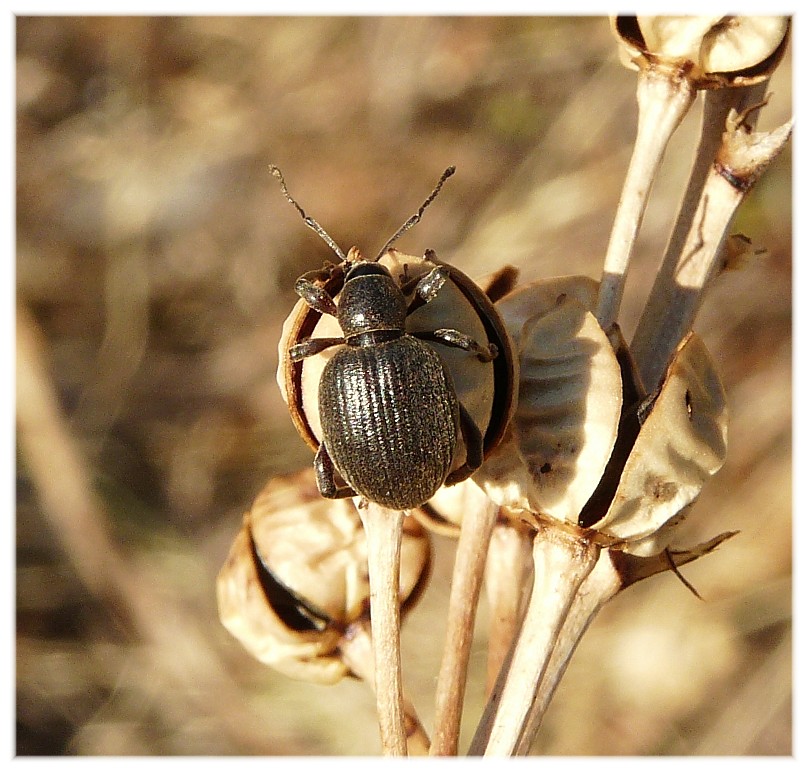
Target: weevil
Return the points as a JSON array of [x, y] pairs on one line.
[[391, 421]]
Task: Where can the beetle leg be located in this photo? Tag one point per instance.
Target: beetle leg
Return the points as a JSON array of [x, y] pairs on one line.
[[316, 297], [426, 287], [312, 346], [324, 472], [474, 451], [459, 339]]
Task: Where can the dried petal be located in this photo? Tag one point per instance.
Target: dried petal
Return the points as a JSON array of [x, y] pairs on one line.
[[680, 445]]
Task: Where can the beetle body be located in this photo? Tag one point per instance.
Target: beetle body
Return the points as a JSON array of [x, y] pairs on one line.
[[389, 413], [390, 420]]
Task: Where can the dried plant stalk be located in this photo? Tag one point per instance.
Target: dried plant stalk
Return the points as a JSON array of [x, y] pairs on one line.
[[357, 652], [664, 98], [466, 584], [561, 562], [384, 529], [716, 107], [506, 589]]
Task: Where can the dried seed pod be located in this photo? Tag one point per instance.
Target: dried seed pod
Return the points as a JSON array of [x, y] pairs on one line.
[[570, 395], [712, 51], [484, 388], [585, 447], [681, 443], [296, 578]]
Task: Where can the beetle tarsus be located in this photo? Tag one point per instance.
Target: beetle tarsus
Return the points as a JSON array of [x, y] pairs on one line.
[[474, 448], [457, 339], [312, 346]]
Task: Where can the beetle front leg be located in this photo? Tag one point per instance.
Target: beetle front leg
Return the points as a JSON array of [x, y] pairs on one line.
[[316, 297], [324, 472], [474, 449], [458, 339], [426, 287]]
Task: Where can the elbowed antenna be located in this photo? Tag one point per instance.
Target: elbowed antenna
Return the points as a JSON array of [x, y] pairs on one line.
[[310, 221], [415, 218]]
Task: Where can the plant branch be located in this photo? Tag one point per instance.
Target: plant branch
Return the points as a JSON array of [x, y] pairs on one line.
[[664, 98], [466, 584], [384, 529], [716, 107], [561, 561]]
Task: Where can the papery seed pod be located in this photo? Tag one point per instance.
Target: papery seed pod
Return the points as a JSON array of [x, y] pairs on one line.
[[296, 578], [681, 444], [712, 51], [570, 395]]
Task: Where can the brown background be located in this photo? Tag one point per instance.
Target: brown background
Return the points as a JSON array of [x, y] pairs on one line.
[[157, 257]]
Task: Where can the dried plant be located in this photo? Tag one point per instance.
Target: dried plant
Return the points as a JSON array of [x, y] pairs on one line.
[[609, 445], [597, 457]]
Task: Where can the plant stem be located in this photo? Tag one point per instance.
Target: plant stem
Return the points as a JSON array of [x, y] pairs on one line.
[[664, 97], [506, 587], [716, 107], [384, 528], [357, 652], [466, 584], [562, 561]]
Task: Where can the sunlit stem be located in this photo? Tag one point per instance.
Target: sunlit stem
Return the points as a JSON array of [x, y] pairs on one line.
[[561, 563], [466, 584], [664, 97], [384, 529]]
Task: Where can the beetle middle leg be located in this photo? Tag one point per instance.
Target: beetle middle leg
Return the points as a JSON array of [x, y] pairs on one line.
[[474, 450], [312, 346], [457, 339], [324, 472]]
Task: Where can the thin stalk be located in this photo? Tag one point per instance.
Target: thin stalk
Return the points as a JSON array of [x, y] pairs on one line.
[[602, 584], [664, 97], [356, 648], [561, 562], [716, 107], [384, 529], [740, 160], [613, 572], [466, 584], [506, 587]]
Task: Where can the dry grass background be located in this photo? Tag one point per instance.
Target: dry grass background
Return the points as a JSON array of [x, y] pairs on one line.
[[155, 264]]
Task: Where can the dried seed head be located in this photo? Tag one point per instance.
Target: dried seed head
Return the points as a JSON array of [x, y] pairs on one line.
[[712, 51], [296, 578], [584, 447], [570, 394]]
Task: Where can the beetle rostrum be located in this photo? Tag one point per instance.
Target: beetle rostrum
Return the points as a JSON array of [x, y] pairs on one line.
[[391, 420], [392, 425]]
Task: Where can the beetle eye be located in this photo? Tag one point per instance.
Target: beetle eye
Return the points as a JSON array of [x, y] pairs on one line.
[[366, 269], [295, 612]]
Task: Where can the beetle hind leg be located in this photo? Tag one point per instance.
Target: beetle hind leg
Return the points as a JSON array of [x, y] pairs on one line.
[[474, 449], [326, 482]]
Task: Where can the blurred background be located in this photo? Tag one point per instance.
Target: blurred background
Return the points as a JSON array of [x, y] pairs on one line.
[[155, 263]]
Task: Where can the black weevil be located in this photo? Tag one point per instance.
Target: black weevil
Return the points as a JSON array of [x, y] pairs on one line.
[[390, 417]]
